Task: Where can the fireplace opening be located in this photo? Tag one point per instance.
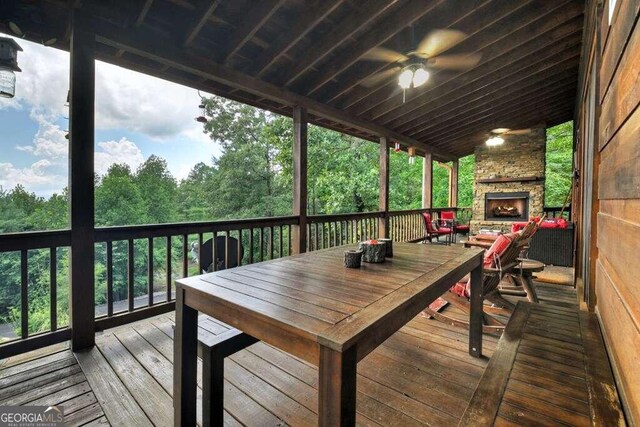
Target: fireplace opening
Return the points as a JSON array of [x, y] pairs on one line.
[[506, 206]]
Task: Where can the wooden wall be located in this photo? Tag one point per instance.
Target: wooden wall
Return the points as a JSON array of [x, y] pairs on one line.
[[616, 258]]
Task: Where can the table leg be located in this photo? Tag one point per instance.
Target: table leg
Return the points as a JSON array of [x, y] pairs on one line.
[[337, 394], [475, 315], [185, 350], [529, 287]]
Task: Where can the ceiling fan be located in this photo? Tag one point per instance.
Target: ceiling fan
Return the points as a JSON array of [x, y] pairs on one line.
[[413, 67], [496, 135]]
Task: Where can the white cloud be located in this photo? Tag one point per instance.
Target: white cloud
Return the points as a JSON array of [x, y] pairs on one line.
[[123, 151], [40, 177], [49, 141]]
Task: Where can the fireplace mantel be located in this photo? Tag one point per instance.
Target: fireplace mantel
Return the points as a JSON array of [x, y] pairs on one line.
[[507, 179]]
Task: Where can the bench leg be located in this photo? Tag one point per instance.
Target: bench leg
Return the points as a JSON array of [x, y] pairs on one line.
[[476, 313], [529, 287]]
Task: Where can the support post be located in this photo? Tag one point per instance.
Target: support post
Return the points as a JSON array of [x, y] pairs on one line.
[[453, 184], [81, 183], [299, 231], [427, 180], [383, 222]]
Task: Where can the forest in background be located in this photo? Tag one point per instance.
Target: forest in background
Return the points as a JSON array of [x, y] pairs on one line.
[[251, 178]]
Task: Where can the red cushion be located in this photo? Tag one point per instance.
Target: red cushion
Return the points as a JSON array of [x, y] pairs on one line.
[[517, 226], [444, 230], [462, 227], [460, 289], [498, 247], [448, 215]]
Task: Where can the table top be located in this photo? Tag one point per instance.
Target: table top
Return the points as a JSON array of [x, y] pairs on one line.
[[300, 302]]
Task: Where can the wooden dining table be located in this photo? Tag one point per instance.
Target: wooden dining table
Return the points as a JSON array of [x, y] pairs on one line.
[[311, 306]]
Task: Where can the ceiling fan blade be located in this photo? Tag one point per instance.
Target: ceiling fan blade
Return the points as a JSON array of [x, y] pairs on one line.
[[378, 78], [518, 132], [385, 55], [455, 62], [438, 41]]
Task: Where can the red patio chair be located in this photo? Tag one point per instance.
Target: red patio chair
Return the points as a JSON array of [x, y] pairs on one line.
[[449, 217], [431, 231]]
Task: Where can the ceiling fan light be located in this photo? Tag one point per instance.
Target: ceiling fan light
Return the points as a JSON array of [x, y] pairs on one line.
[[494, 140], [500, 130], [420, 77], [405, 78]]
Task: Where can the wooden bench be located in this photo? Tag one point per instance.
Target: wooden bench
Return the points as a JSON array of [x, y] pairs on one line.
[[213, 350], [550, 367]]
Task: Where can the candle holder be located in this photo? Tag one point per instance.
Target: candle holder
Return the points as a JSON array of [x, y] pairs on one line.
[[373, 251], [388, 247], [352, 258]]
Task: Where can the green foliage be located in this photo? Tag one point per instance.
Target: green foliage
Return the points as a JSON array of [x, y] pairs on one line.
[[559, 164]]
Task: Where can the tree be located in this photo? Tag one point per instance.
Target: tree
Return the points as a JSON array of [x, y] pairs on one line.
[[158, 189], [118, 199], [559, 163]]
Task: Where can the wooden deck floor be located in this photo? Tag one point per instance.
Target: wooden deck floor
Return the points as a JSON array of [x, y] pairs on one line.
[[422, 375]]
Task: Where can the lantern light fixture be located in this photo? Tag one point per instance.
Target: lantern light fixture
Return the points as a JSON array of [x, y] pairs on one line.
[[8, 65], [412, 155], [202, 118], [396, 147]]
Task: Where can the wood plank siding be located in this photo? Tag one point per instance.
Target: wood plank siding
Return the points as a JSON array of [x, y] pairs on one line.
[[615, 236]]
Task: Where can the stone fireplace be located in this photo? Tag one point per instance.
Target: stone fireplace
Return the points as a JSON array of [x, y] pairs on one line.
[[509, 181], [506, 206]]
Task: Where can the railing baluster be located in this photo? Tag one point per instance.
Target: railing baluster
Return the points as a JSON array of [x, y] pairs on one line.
[[200, 243], [315, 241], [24, 293], [289, 250], [251, 230], [150, 271], [168, 268], [227, 246], [53, 289], [109, 278], [238, 247], [261, 243], [214, 251], [270, 242], [280, 254], [130, 274], [185, 256]]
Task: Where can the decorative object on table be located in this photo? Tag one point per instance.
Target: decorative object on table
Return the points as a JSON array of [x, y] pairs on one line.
[[352, 258], [373, 251], [389, 247]]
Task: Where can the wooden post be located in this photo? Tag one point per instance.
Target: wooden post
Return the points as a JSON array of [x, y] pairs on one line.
[[427, 180], [476, 313], [299, 231], [81, 187], [337, 387], [453, 185], [383, 222], [185, 348]]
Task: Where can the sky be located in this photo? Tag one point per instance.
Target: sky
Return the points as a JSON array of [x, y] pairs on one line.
[[136, 116]]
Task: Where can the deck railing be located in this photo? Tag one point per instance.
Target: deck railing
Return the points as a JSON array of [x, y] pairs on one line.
[[136, 266], [554, 212]]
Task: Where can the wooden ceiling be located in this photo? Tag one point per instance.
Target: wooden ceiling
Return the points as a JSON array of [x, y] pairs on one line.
[[278, 53]]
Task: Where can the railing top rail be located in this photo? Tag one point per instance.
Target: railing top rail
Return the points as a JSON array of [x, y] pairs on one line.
[[104, 234], [34, 240], [344, 216]]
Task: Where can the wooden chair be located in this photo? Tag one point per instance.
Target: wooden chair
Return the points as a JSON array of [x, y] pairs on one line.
[[431, 231], [498, 263]]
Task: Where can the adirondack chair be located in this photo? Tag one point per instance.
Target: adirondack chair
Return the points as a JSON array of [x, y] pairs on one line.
[[431, 231], [499, 260]]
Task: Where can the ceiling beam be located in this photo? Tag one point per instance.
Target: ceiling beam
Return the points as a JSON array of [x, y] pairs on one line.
[[287, 40], [160, 49], [401, 18], [472, 19], [494, 57], [256, 17], [143, 13], [201, 16], [343, 31]]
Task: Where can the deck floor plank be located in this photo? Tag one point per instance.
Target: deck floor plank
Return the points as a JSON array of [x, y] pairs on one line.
[[422, 375]]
